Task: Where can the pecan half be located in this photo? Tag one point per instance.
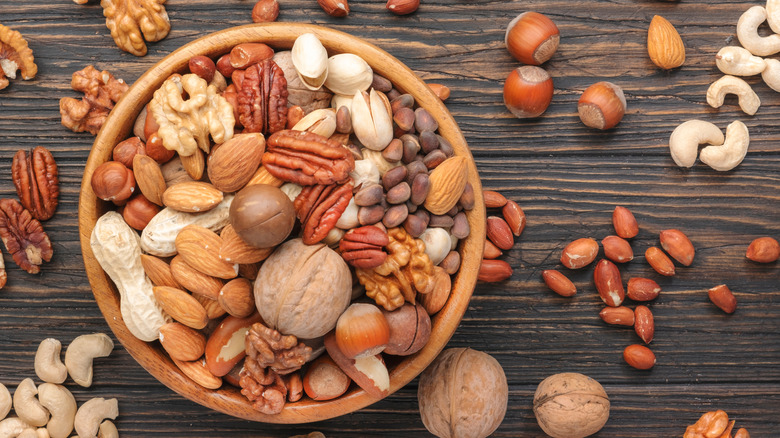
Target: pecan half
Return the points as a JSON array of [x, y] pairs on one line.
[[23, 236], [319, 208], [36, 181], [15, 55], [262, 98], [306, 158], [101, 91], [363, 247], [128, 19]]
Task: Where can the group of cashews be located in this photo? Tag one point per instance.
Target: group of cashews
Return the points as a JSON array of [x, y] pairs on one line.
[[736, 61], [49, 410], [725, 153]]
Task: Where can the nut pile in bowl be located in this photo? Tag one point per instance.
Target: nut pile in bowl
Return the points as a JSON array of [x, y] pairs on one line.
[[290, 235]]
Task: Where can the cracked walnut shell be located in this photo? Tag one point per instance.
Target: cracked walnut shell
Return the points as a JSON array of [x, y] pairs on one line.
[[15, 55], [185, 125], [101, 91], [129, 19]]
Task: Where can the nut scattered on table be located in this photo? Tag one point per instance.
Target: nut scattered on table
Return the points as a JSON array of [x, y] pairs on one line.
[[15, 55], [128, 20], [101, 91], [664, 45], [570, 405]]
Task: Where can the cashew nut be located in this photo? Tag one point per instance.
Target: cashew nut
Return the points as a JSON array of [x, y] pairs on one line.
[[29, 433], [62, 406], [80, 352], [748, 99], [5, 401], [27, 407], [108, 430], [92, 413], [773, 15], [771, 74], [747, 32], [686, 138], [48, 365], [13, 427], [41, 432], [728, 155], [734, 60]]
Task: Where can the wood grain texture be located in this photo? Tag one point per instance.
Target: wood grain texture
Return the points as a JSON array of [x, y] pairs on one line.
[[566, 177]]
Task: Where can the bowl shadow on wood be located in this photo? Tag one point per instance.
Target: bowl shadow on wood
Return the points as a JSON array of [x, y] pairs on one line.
[[119, 125]]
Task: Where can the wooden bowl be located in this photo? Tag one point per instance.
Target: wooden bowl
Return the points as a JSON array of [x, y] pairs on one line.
[[118, 127]]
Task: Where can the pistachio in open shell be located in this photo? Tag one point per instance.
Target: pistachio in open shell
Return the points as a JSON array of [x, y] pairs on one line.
[[348, 74], [310, 60], [371, 119], [321, 121]]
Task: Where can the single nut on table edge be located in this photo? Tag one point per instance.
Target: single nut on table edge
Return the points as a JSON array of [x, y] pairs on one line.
[[570, 405], [664, 45], [602, 105], [532, 38], [528, 91], [722, 297], [763, 250], [749, 101], [470, 386]]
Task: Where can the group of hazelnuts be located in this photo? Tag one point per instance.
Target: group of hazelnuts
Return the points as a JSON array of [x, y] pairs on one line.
[[532, 38]]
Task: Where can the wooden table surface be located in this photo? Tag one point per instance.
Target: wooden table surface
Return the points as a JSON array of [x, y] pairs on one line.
[[567, 178]]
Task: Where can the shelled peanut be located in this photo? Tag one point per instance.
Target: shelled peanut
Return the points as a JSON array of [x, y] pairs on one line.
[[500, 232], [326, 171]]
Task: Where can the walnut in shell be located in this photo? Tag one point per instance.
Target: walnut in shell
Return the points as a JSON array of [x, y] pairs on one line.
[[570, 405], [302, 290]]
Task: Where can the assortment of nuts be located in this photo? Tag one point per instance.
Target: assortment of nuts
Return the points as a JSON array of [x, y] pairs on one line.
[[49, 409], [255, 186]]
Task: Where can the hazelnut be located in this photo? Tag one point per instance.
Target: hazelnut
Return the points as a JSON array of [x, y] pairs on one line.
[[139, 211], [203, 66], [127, 149], [156, 150], [410, 329], [602, 105], [150, 124], [532, 38], [463, 393], [570, 405], [362, 330], [528, 91], [324, 380], [262, 215], [113, 181]]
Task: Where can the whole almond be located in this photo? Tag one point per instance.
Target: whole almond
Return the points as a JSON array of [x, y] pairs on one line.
[[659, 261], [199, 247], [237, 297], [335, 8], [235, 250], [213, 309], [763, 250], [182, 306], [639, 357], [197, 371], [491, 251], [447, 182], [194, 164], [193, 280], [609, 284], [492, 271], [402, 7], [158, 271], [677, 245], [664, 45], [559, 283], [642, 289], [182, 342], [514, 217], [621, 315], [579, 253], [493, 199], [235, 161], [624, 222], [617, 249], [722, 297], [499, 233], [149, 178], [192, 197], [644, 324], [262, 176]]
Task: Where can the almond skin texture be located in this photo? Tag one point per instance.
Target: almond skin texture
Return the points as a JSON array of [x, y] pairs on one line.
[[499, 233], [192, 197], [197, 371], [617, 315], [158, 271], [193, 280], [199, 247], [608, 282], [677, 245], [642, 289], [235, 161], [492, 271], [182, 342], [722, 297], [237, 297], [149, 177], [559, 283], [659, 261], [624, 222], [617, 249], [639, 357], [579, 253], [664, 45], [763, 250], [182, 306], [644, 324], [447, 182]]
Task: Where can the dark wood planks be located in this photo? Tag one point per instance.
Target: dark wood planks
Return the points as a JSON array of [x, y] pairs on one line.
[[567, 178]]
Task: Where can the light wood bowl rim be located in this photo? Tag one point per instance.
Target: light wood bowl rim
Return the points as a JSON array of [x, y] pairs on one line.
[[118, 126]]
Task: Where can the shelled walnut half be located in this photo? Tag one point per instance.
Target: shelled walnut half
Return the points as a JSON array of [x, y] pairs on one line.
[[101, 91], [128, 20], [15, 55]]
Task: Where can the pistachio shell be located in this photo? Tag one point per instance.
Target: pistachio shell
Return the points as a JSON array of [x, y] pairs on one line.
[[339, 100], [371, 120], [347, 74], [310, 60], [321, 121]]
